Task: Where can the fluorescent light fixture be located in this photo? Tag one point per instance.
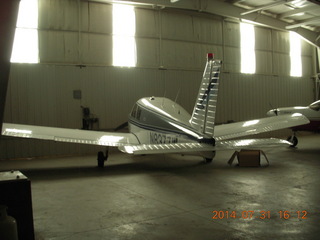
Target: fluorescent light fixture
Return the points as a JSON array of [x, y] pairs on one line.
[[248, 56]]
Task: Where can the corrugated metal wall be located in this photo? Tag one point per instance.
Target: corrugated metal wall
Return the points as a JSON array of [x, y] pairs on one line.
[[42, 94]]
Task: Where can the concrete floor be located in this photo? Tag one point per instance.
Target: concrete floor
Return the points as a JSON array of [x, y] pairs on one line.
[[173, 197]]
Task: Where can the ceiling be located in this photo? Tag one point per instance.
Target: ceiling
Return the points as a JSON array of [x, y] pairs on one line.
[[296, 13], [301, 16]]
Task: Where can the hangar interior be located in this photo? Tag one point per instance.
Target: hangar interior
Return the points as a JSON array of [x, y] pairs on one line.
[[132, 197]]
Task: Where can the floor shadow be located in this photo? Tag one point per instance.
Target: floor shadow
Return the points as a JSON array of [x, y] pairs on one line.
[[110, 170]]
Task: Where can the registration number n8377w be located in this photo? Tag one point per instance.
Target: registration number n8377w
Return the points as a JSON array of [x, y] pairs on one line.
[[160, 138]]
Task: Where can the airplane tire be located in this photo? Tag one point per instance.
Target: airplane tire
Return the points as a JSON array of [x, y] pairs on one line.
[[209, 160], [101, 159], [293, 140]]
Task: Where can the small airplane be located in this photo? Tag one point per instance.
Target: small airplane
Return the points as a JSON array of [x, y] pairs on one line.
[[312, 112], [159, 125]]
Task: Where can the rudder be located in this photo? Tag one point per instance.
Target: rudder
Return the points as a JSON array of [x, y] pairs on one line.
[[203, 116]]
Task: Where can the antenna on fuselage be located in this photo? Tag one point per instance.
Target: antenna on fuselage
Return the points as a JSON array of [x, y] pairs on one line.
[[175, 100], [164, 96]]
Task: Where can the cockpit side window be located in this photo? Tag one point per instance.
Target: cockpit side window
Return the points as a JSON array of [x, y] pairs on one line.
[[315, 106]]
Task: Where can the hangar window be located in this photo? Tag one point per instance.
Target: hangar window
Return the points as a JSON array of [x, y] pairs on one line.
[[248, 56], [295, 55], [25, 45], [124, 28]]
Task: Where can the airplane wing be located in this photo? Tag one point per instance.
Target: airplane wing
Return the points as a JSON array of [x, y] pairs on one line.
[[128, 143], [246, 128], [69, 135], [202, 147]]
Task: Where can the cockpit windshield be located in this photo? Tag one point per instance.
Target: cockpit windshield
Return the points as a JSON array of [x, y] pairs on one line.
[[136, 112]]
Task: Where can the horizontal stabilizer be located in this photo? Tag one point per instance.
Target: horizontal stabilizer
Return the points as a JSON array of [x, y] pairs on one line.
[[68, 135], [262, 125], [252, 143], [202, 147]]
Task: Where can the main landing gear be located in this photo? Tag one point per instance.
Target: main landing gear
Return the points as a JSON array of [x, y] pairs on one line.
[[102, 158], [293, 139]]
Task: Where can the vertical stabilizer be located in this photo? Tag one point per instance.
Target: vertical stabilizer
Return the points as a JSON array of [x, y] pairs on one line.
[[203, 116]]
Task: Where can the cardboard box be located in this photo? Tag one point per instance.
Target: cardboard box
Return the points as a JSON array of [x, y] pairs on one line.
[[249, 158]]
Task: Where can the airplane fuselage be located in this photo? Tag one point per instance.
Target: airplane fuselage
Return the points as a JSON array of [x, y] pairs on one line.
[[312, 114], [159, 120]]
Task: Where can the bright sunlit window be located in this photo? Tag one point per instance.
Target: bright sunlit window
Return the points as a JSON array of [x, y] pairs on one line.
[[124, 29], [25, 45], [248, 56], [295, 55]]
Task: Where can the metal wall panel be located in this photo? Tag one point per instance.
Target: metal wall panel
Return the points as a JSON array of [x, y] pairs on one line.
[[178, 54], [280, 43], [177, 26], [232, 59], [263, 38], [232, 34], [148, 50], [58, 14], [307, 66], [147, 22], [99, 18], [58, 46], [173, 39], [96, 49], [208, 30], [281, 64], [264, 62]]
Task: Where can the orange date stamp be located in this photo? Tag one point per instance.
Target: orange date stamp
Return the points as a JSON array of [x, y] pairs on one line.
[[282, 214]]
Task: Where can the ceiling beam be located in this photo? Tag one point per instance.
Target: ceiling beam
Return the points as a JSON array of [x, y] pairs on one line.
[[296, 11], [267, 6], [307, 22], [224, 9]]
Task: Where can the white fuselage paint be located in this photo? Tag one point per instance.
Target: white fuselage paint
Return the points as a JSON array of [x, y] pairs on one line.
[[159, 120]]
